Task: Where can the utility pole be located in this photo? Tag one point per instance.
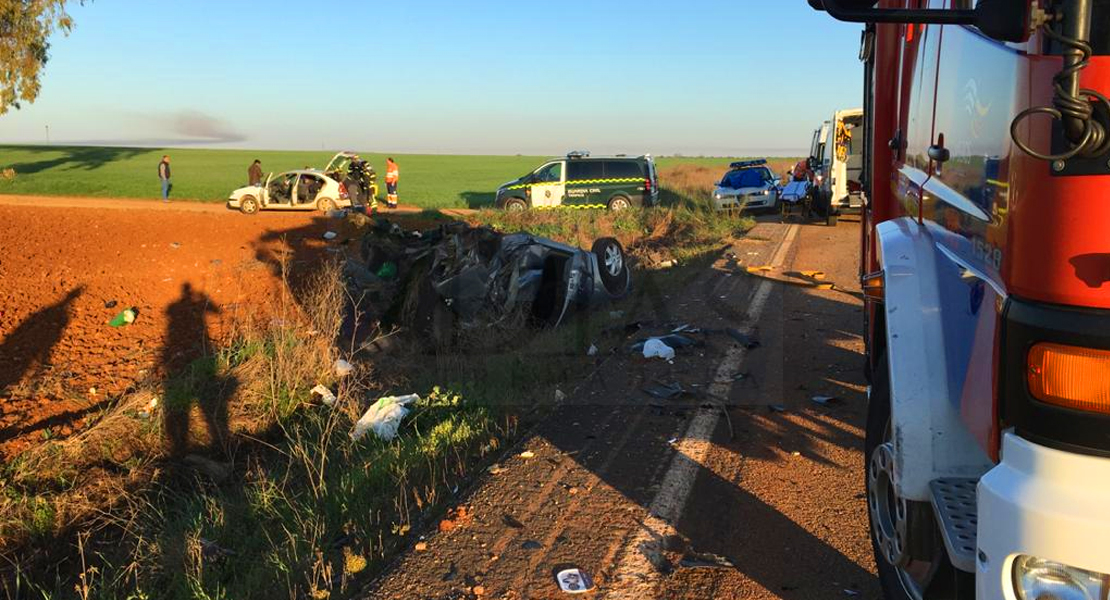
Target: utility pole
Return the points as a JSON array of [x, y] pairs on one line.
[[47, 135]]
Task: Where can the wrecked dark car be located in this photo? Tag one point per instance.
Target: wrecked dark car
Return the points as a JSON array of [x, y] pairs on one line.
[[457, 278]]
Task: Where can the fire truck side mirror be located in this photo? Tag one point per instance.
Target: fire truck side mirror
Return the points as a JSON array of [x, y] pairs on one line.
[[1004, 20]]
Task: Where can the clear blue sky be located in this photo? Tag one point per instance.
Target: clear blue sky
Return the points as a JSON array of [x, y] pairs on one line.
[[492, 76]]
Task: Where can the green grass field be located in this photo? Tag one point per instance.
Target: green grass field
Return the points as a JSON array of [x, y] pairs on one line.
[[427, 180]]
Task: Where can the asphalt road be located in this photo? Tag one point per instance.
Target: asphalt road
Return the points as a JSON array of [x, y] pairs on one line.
[[741, 487]]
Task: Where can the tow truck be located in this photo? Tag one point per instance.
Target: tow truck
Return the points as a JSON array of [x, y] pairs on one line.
[[985, 265]]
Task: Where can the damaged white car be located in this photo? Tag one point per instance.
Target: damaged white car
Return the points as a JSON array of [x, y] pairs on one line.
[[307, 189]]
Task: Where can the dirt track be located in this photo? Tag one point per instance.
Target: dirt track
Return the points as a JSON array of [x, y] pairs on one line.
[[632, 490], [62, 260]]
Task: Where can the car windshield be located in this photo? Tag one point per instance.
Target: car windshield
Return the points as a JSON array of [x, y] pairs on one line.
[[742, 178]]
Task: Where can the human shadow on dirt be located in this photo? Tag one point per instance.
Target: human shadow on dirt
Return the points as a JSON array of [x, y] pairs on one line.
[[75, 157], [195, 380], [28, 346]]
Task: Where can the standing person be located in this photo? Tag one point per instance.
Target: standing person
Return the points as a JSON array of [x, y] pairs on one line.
[[392, 175], [255, 173], [164, 176]]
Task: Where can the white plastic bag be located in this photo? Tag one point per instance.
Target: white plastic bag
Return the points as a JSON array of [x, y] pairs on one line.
[[326, 396], [384, 417], [343, 368], [654, 348]]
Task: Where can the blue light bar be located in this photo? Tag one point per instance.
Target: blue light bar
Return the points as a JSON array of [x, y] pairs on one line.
[[747, 164]]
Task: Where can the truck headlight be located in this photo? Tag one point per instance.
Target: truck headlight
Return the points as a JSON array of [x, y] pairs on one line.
[[1037, 579], [717, 195]]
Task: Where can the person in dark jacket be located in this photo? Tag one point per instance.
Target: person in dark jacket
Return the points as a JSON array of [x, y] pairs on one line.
[[255, 172], [164, 176]]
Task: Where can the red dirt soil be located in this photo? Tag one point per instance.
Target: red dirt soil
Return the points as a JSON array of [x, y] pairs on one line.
[[60, 361]]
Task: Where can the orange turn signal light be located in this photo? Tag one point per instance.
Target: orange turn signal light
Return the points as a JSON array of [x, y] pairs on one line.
[[1070, 376]]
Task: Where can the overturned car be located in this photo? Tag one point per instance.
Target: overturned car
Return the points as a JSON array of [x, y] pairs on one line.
[[457, 278]]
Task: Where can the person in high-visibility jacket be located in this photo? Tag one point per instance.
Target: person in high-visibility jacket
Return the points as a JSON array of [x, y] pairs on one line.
[[392, 176]]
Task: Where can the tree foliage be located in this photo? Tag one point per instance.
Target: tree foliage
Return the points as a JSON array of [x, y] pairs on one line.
[[25, 29]]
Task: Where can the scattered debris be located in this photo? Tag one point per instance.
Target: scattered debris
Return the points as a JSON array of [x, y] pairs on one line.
[[111, 304], [592, 351], [743, 339], [616, 314], [741, 376], [527, 454], [125, 317], [210, 550], [668, 264], [460, 277], [496, 469], [665, 391], [673, 340], [384, 417], [655, 348], [330, 235], [343, 368], [421, 547], [777, 408], [705, 560], [672, 441], [574, 581], [511, 521], [326, 395], [827, 400], [850, 592], [559, 395], [531, 545], [175, 245]]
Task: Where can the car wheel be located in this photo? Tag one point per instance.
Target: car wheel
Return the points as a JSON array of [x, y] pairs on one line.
[[325, 204], [248, 205], [515, 205], [619, 203], [909, 552], [612, 266]]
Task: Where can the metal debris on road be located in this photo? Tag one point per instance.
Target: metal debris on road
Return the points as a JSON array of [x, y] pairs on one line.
[[743, 339], [665, 391], [826, 400]]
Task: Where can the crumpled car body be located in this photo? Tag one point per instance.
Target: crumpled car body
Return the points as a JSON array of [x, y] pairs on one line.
[[459, 277]]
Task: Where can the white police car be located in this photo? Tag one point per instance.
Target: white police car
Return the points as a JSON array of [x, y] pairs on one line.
[[748, 184]]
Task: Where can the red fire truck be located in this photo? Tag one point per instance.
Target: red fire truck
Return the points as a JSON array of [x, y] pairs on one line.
[[986, 269]]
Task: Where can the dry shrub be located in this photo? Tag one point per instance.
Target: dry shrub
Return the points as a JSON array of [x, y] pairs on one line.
[[8, 174]]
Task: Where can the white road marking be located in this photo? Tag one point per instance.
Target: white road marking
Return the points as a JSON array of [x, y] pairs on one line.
[[636, 577]]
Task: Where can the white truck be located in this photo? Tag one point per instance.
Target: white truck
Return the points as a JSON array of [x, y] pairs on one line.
[[836, 159]]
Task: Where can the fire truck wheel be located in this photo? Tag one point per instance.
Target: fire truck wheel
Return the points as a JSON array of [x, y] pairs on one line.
[[909, 552]]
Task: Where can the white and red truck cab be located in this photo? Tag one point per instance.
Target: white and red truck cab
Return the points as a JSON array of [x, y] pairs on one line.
[[986, 268]]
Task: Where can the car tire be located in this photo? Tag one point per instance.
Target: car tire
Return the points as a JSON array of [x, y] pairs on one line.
[[325, 204], [612, 266], [516, 205], [619, 203], [248, 205], [939, 579]]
